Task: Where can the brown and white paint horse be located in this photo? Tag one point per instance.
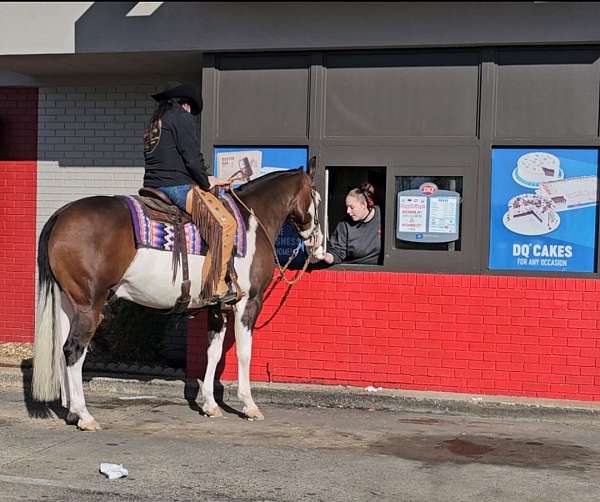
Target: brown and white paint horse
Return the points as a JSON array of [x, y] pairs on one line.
[[86, 250]]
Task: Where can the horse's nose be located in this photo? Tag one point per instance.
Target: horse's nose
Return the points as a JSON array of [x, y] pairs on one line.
[[319, 238], [314, 240]]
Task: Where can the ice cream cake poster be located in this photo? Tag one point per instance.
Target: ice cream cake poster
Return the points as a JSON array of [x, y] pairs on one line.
[[544, 209]]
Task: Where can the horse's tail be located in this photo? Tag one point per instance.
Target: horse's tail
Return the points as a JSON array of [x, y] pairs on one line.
[[48, 360]]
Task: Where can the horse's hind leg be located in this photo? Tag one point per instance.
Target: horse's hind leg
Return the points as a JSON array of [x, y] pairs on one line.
[[66, 313], [217, 325], [83, 324]]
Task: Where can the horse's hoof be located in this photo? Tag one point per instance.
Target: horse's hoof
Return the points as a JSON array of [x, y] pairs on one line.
[[253, 414], [214, 412], [90, 425], [72, 419]]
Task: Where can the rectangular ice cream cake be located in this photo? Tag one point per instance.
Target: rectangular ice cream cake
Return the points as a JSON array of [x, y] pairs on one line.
[[571, 193]]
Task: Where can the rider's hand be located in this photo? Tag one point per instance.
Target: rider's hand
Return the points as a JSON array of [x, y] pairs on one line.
[[216, 182]]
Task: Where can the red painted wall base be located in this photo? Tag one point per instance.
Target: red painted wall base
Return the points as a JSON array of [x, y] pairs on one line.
[[18, 178], [537, 337]]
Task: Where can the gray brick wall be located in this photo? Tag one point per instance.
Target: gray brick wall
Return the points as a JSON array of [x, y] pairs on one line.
[[94, 126], [90, 143]]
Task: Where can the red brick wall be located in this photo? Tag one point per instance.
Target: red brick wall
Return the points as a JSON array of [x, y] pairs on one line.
[[18, 166], [536, 337]]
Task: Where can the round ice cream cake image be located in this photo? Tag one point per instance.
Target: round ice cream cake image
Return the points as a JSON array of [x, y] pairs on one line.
[[537, 167], [531, 214]]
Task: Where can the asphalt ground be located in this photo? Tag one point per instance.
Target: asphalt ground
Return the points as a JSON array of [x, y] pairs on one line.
[[300, 452]]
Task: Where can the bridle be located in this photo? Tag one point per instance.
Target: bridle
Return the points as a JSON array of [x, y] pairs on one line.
[[313, 236]]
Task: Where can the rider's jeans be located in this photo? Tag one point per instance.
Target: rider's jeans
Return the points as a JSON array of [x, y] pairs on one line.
[[178, 194]]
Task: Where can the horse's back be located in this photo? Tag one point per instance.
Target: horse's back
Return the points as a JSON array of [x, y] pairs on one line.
[[91, 243]]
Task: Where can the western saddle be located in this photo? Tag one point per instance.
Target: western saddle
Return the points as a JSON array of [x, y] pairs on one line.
[[160, 208]]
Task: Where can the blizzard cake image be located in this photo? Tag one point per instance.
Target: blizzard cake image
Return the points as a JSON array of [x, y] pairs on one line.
[[537, 167], [531, 214], [571, 193]]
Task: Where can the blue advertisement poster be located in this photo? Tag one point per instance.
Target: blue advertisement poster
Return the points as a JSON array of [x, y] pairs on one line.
[[544, 209], [265, 160]]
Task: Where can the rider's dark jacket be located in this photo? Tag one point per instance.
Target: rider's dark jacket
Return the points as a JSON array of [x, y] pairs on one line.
[[172, 152]]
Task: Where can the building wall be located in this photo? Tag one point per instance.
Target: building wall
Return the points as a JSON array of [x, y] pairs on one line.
[[18, 141], [90, 142], [513, 336], [39, 27], [105, 26], [415, 323]]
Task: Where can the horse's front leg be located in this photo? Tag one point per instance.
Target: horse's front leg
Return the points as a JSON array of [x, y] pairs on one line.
[[217, 325], [243, 342]]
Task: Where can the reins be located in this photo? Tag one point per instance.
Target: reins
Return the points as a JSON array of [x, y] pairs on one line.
[[281, 269]]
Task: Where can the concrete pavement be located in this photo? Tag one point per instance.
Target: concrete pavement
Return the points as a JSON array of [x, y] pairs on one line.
[[297, 453], [13, 375]]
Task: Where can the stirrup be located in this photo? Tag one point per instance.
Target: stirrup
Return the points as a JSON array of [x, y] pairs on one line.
[[229, 298], [233, 279]]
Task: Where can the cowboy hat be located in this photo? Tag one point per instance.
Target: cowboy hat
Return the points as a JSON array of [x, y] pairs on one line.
[[189, 92]]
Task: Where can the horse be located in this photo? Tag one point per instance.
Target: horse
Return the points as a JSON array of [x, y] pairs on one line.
[[86, 251]]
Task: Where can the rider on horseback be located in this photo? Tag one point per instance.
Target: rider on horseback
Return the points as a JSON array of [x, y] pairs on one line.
[[175, 165]]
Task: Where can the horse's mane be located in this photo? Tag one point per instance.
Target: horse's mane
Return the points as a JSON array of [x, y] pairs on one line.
[[258, 184]]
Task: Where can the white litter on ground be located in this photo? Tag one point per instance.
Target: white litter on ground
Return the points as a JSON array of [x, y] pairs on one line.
[[370, 388], [113, 471]]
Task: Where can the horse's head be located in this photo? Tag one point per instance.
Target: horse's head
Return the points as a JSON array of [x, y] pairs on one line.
[[304, 215]]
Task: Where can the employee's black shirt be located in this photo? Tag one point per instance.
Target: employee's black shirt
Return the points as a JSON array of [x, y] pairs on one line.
[[172, 152], [357, 242]]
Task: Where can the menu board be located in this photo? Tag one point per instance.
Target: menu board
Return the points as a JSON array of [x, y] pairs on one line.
[[428, 215], [442, 215], [412, 214]]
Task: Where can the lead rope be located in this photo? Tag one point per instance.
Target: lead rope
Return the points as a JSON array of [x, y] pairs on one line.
[[281, 269]]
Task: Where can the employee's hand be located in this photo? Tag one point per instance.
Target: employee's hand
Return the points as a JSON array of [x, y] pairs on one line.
[[328, 258], [320, 255]]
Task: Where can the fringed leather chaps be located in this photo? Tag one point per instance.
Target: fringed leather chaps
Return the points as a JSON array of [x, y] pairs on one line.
[[217, 227]]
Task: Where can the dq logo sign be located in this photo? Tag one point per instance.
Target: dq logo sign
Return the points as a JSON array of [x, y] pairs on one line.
[[428, 188]]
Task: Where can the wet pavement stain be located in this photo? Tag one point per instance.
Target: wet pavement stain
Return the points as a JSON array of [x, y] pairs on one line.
[[462, 447], [487, 450]]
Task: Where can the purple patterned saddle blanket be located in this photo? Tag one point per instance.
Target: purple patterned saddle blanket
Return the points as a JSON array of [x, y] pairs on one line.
[[159, 235]]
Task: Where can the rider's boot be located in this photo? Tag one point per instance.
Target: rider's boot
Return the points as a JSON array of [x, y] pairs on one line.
[[233, 293], [224, 294]]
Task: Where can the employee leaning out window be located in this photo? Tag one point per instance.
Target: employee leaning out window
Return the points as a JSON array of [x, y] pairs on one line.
[[358, 239]]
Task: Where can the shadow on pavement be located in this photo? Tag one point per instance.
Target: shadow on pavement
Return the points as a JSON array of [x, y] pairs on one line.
[[37, 409]]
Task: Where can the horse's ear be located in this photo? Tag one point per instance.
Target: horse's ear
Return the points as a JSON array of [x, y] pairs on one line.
[[312, 167]]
